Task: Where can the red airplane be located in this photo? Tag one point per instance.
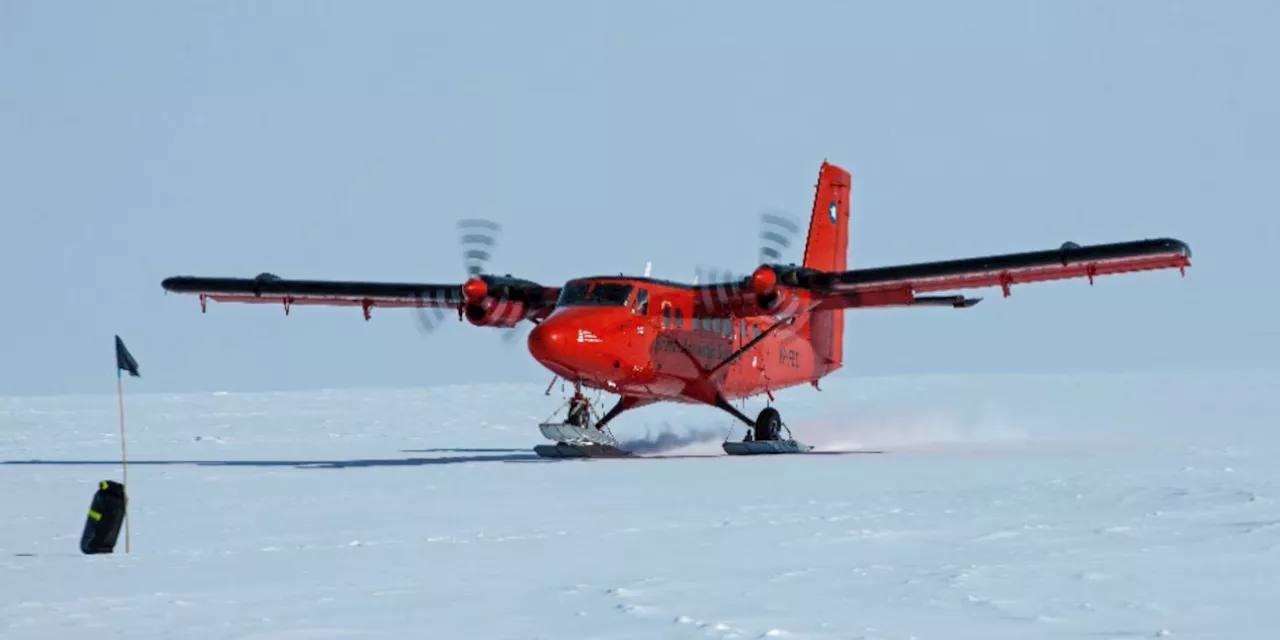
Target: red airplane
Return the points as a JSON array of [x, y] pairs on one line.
[[648, 340]]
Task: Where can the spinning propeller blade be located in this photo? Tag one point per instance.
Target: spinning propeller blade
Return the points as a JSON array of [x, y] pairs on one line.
[[478, 238], [778, 231]]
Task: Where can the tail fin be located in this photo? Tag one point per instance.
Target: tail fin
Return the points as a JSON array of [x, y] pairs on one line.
[[827, 249]]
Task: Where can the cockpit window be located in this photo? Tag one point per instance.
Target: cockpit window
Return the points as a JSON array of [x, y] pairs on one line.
[[572, 294], [601, 294]]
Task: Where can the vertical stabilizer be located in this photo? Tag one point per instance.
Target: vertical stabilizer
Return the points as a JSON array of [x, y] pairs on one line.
[[827, 249]]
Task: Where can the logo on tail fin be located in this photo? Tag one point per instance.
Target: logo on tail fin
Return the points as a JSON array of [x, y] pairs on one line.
[[832, 211]]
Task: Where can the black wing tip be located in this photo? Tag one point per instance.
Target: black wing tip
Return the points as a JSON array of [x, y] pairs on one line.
[[174, 283], [1162, 245], [1178, 246]]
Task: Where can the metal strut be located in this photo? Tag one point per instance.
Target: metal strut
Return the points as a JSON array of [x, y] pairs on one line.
[[743, 349], [724, 404]]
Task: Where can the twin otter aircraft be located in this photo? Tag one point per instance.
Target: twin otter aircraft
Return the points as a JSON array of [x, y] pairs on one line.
[[649, 340]]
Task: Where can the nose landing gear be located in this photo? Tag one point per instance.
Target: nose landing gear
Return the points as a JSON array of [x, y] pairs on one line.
[[582, 434]]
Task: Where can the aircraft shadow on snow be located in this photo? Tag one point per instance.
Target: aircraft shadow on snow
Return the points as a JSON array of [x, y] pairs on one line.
[[505, 455], [525, 457], [660, 449]]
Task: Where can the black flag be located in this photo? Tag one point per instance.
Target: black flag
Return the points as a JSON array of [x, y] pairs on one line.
[[125, 361]]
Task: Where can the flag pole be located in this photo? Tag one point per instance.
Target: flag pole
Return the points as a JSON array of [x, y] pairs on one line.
[[124, 361], [124, 457]]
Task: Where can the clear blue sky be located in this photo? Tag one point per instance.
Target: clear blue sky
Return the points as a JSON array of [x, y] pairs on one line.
[[343, 140]]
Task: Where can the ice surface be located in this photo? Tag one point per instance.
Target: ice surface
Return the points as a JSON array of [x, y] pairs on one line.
[[1110, 506]]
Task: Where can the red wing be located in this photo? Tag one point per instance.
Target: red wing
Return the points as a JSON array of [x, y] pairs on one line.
[[269, 289], [898, 285]]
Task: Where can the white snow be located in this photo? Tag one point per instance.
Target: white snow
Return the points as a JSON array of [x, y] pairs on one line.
[[1107, 506]]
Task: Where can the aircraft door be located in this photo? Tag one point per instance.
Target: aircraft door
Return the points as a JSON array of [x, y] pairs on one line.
[[640, 308]]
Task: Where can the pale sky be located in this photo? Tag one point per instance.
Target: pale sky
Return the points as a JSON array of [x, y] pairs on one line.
[[140, 140]]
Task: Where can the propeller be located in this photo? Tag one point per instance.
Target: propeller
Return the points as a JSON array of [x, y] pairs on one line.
[[778, 231], [478, 237]]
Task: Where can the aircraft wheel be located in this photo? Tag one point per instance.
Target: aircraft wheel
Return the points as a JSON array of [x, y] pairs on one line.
[[768, 424]]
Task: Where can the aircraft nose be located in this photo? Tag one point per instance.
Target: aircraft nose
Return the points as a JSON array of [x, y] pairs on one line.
[[575, 344], [547, 342]]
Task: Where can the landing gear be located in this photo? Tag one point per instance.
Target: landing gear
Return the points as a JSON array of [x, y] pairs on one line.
[[768, 424], [763, 436], [581, 434], [585, 434]]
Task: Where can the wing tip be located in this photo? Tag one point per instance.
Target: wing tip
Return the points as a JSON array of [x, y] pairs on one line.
[[1178, 246]]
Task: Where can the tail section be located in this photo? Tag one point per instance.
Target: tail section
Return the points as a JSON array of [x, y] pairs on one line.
[[827, 249]]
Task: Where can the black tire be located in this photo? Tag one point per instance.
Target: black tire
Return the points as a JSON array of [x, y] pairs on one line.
[[768, 424]]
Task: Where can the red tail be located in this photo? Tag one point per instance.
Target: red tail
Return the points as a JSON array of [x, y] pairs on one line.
[[827, 249], [828, 245]]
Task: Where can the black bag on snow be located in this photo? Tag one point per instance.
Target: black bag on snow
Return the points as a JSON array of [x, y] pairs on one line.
[[106, 514]]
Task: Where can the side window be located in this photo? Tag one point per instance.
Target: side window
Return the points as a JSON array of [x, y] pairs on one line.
[[666, 314], [679, 318], [743, 332], [642, 302]]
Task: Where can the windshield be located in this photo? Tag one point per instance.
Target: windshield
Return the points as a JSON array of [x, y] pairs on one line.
[[601, 294]]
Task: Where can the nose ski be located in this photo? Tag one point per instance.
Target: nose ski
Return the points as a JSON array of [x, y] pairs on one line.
[[580, 435]]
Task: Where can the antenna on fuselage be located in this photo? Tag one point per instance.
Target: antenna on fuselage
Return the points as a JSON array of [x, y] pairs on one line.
[[647, 267]]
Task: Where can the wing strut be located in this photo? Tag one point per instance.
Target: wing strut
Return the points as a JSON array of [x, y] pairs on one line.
[[743, 349]]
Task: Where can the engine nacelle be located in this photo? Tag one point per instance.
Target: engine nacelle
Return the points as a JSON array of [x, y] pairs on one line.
[[764, 283], [492, 312]]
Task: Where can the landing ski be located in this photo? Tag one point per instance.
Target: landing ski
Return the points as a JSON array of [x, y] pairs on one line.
[[578, 441], [764, 447], [579, 450]]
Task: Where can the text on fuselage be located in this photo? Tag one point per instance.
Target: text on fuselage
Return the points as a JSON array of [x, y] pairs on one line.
[[789, 357]]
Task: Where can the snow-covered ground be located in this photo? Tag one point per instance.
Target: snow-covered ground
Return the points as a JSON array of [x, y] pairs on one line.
[[1108, 506]]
